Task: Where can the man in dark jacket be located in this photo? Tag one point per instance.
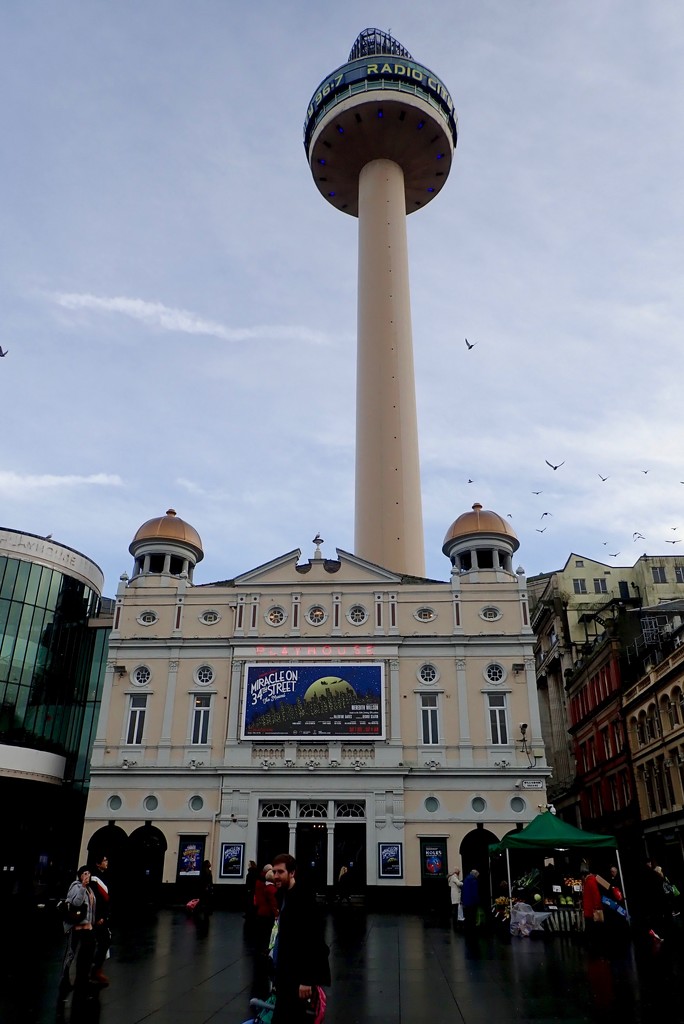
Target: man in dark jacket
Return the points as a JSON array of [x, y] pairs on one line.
[[103, 936], [300, 956]]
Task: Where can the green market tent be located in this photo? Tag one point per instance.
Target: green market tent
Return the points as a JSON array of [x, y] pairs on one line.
[[546, 831]]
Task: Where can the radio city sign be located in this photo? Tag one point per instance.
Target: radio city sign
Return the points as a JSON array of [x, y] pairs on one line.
[[317, 651]]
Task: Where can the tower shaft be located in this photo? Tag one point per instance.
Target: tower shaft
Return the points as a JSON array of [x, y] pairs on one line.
[[388, 512]]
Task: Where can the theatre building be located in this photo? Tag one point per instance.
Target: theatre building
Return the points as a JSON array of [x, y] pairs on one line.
[[326, 706]]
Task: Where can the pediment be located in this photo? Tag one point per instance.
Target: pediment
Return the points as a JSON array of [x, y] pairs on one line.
[[287, 569]]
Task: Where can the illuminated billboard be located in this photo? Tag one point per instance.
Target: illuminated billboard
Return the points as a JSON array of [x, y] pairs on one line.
[[332, 701]]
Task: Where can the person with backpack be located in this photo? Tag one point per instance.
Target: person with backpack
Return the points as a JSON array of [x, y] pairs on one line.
[[78, 927]]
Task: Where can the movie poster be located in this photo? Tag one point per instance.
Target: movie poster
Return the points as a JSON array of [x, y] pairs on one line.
[[336, 701], [232, 860], [390, 860], [190, 857], [433, 854]]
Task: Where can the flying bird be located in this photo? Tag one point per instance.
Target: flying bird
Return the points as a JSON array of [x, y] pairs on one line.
[[3, 352], [509, 515], [638, 536], [673, 527], [470, 345], [644, 471], [537, 492], [674, 541], [541, 531], [604, 478], [470, 481], [545, 514], [552, 465], [613, 556]]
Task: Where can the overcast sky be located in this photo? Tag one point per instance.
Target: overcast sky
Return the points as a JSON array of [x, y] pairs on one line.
[[179, 303]]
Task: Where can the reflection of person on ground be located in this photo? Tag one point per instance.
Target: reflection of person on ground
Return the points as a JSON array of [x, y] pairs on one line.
[[455, 886], [470, 898], [102, 934], [80, 937], [300, 956], [265, 908]]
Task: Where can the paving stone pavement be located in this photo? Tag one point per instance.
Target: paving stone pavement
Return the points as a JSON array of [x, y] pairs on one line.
[[387, 969]]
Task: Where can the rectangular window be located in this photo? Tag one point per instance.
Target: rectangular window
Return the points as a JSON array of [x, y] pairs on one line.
[[659, 574], [200, 718], [579, 563], [579, 586], [607, 748], [497, 717], [136, 719], [429, 718], [679, 573], [600, 586]]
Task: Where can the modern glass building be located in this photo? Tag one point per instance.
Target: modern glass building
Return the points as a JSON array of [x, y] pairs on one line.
[[53, 643]]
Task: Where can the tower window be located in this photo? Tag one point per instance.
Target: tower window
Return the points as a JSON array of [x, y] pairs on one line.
[[136, 719], [175, 565], [200, 718], [497, 717], [485, 558], [429, 718], [156, 563]]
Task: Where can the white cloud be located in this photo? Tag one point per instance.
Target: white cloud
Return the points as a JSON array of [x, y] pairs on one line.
[[154, 314], [17, 485]]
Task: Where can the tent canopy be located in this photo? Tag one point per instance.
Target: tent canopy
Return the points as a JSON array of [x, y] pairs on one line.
[[550, 832]]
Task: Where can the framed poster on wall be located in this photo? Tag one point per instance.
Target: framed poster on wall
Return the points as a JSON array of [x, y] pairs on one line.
[[390, 860], [433, 858], [190, 856], [232, 860]]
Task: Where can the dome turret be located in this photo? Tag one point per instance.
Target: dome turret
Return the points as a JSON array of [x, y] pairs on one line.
[[166, 544], [480, 539]]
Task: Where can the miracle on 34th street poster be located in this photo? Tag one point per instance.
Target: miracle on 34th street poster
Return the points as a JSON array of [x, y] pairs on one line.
[[346, 701]]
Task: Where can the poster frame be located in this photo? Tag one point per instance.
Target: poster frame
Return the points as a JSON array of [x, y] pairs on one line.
[[240, 850], [382, 870]]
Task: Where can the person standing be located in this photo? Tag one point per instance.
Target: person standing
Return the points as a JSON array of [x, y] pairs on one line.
[[80, 937], [300, 956], [455, 886], [470, 898], [101, 931], [265, 907]]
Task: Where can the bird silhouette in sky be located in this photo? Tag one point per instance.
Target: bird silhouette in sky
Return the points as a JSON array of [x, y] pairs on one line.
[[552, 465], [638, 536], [509, 515], [645, 471], [545, 514], [470, 481], [541, 531], [537, 492], [604, 478], [673, 527], [674, 541], [613, 556], [470, 345], [3, 352]]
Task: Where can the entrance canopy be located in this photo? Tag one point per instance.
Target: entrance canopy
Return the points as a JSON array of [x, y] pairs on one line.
[[550, 832]]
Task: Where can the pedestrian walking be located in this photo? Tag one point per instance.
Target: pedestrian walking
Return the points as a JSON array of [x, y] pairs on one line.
[[470, 899], [102, 934], [299, 953], [80, 946]]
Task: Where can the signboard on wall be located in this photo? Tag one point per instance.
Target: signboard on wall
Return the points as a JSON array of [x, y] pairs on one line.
[[433, 858], [390, 860], [342, 701], [190, 856], [232, 860]]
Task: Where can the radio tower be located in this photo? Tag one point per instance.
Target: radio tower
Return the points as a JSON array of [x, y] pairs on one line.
[[380, 134]]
